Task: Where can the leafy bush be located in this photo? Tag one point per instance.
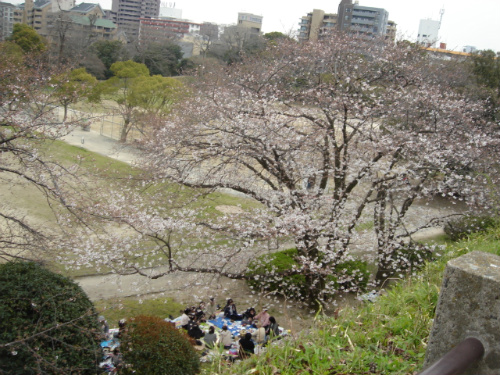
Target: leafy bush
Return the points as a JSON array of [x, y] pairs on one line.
[[466, 225], [353, 274], [48, 322], [152, 346], [262, 274], [407, 259]]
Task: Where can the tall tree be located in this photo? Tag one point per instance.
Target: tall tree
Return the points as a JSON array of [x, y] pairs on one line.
[[486, 68], [137, 94], [163, 58], [329, 136], [28, 123], [73, 86], [109, 52], [27, 38], [333, 143]]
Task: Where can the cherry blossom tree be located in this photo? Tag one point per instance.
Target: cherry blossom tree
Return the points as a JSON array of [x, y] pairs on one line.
[[335, 142], [29, 124]]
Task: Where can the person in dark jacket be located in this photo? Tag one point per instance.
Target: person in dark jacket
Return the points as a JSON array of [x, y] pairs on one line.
[[195, 331], [249, 316], [230, 311], [247, 346]]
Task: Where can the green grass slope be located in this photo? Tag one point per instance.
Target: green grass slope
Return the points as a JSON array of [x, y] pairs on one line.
[[388, 336]]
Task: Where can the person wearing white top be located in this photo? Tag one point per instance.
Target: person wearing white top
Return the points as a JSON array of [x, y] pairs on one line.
[[226, 338]]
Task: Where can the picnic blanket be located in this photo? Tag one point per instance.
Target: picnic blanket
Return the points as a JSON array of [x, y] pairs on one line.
[[235, 327]]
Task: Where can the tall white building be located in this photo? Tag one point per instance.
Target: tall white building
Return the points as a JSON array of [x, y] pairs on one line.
[[428, 31]]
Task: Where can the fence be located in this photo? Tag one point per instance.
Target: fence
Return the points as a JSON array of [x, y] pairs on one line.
[[109, 124]]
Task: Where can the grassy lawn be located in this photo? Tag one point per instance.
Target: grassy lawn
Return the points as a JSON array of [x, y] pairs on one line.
[[97, 171], [115, 309]]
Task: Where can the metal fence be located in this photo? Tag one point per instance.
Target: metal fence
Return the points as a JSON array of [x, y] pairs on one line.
[[108, 125]]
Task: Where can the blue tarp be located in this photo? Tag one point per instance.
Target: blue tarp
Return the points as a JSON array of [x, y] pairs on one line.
[[235, 327]]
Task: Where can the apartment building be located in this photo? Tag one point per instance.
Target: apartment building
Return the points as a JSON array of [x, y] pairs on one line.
[[316, 24], [50, 18], [127, 14], [152, 29], [250, 21], [6, 20], [90, 17], [361, 19], [350, 17]]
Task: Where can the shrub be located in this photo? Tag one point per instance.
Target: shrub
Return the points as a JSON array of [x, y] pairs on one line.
[[466, 225], [348, 276], [48, 322], [152, 346], [408, 258]]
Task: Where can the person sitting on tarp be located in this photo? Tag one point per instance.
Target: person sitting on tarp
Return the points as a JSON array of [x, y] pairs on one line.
[[247, 346], [263, 318], [199, 313], [185, 319], [195, 332], [226, 337], [210, 338], [249, 316], [230, 311], [273, 331], [259, 336]]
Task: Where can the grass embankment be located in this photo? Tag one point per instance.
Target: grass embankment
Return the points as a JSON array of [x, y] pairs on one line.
[[115, 309], [388, 336]]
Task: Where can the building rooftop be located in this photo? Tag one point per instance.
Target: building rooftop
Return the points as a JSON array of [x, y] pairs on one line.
[[85, 7], [99, 22], [41, 3]]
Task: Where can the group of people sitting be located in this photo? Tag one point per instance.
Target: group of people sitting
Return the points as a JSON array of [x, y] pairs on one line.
[[266, 327]]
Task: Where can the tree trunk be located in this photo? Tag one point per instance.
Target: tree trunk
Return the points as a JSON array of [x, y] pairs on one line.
[[124, 131]]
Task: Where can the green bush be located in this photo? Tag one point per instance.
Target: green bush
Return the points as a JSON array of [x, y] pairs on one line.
[[348, 276], [151, 346], [354, 274], [408, 258], [47, 321], [466, 225]]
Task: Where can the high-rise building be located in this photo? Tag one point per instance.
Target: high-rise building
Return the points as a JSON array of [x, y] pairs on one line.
[[168, 10], [316, 24], [127, 15], [362, 20], [351, 17], [250, 21], [428, 31], [6, 20]]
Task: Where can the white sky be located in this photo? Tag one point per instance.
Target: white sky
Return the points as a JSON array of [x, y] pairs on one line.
[[465, 22]]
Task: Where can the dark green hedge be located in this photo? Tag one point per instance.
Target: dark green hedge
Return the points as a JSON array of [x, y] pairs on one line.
[[50, 321], [352, 275], [151, 346]]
